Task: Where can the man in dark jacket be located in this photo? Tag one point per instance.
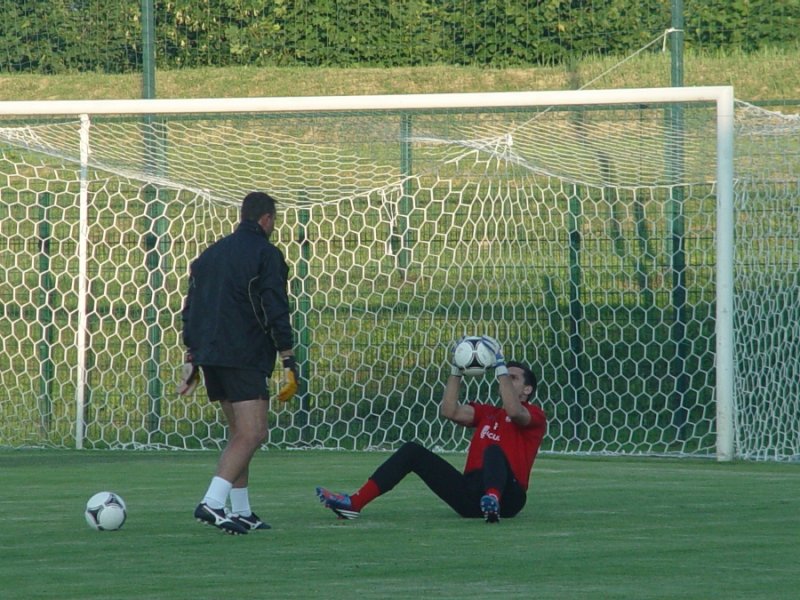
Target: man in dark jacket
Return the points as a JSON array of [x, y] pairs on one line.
[[236, 319]]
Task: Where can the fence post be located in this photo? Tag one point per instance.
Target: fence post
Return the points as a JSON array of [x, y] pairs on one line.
[[148, 50], [45, 311], [675, 167], [300, 283], [402, 235]]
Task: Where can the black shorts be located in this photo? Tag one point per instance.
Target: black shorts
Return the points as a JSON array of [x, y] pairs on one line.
[[234, 385]]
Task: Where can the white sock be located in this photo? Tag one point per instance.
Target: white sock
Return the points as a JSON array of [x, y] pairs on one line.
[[240, 502], [217, 493]]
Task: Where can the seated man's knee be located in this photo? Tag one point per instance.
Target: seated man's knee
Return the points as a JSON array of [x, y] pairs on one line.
[[410, 448]]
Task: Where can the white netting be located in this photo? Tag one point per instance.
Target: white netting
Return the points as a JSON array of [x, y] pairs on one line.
[[767, 316], [582, 238]]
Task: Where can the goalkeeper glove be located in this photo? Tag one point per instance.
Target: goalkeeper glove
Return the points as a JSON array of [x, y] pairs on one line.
[[190, 376], [500, 367], [455, 370], [290, 379]]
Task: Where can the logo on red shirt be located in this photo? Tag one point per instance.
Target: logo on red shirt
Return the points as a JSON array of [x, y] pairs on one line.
[[486, 432]]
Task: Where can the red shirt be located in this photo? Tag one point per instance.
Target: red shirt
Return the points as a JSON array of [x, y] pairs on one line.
[[519, 444]]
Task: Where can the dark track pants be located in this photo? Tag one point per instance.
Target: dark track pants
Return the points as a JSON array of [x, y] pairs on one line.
[[461, 492]]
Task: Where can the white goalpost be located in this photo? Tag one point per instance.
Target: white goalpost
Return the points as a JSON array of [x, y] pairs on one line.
[[592, 232]]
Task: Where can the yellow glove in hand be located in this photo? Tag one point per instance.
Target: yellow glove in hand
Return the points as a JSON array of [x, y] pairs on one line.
[[190, 376], [290, 379]]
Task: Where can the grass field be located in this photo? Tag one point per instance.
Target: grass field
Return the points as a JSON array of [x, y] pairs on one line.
[[594, 528], [770, 74]]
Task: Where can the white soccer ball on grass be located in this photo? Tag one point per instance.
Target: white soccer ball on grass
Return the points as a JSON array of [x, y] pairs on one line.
[[106, 511]]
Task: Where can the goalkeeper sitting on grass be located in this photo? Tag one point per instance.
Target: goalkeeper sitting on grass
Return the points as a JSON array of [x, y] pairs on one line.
[[504, 444]]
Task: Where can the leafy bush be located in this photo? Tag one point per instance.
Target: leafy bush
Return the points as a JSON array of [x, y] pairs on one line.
[[60, 36]]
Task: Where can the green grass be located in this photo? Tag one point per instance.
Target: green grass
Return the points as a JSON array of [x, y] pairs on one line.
[[770, 74], [593, 528]]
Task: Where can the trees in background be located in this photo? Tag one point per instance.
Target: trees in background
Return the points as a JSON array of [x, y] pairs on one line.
[[57, 36]]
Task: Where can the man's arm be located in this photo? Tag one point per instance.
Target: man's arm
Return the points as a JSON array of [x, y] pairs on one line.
[[511, 402], [186, 310], [450, 408], [509, 396], [275, 300]]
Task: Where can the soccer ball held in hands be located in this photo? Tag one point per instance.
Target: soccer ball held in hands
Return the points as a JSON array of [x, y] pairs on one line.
[[472, 356]]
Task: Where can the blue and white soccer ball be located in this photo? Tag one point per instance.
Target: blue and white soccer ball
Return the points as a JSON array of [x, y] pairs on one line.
[[473, 356], [106, 511]]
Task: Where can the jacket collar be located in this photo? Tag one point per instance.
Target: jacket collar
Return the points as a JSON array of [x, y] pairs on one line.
[[250, 226]]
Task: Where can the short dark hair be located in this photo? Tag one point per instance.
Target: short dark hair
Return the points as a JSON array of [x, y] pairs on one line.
[[527, 374], [257, 204]]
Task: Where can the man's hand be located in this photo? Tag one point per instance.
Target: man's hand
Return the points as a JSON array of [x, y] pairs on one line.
[[290, 379], [454, 370], [190, 376], [500, 367]]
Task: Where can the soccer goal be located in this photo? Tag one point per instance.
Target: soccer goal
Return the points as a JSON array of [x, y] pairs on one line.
[[591, 232]]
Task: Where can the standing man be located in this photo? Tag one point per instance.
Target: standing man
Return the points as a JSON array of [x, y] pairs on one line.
[[236, 319], [504, 445]]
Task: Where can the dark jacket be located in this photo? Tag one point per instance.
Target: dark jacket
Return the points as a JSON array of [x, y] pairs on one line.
[[236, 312]]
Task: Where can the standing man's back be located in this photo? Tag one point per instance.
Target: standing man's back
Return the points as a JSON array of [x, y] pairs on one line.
[[238, 313], [236, 319]]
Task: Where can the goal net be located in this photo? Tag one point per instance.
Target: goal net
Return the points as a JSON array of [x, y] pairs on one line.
[[590, 232]]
